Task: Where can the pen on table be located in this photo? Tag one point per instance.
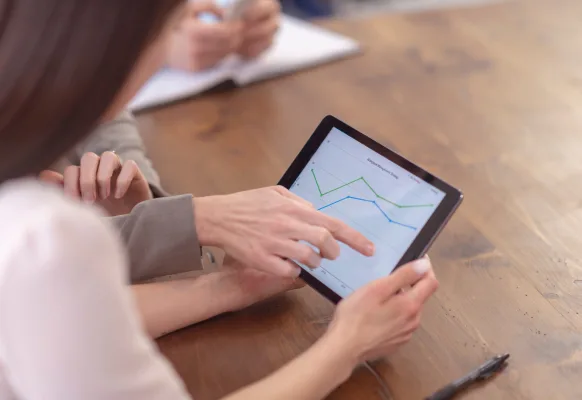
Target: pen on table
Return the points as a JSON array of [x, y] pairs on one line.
[[482, 373]]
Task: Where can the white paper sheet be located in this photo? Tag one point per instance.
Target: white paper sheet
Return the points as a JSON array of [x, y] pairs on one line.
[[298, 45]]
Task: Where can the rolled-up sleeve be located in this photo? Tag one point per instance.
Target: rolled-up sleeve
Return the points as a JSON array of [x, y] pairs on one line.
[[161, 238]]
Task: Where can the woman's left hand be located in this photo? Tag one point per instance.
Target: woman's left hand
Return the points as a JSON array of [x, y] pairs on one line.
[[117, 187]]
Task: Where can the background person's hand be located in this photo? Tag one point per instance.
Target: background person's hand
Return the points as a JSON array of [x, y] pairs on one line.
[[382, 316], [195, 45], [265, 228], [261, 22], [104, 180]]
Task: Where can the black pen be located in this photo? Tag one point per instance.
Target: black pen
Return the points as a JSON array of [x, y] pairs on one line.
[[482, 373]]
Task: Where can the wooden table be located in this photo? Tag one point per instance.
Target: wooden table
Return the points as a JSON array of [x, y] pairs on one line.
[[488, 98]]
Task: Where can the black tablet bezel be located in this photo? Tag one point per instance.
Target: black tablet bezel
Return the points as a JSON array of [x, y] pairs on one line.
[[426, 236]]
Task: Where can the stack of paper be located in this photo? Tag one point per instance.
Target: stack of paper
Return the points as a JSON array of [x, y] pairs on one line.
[[297, 45]]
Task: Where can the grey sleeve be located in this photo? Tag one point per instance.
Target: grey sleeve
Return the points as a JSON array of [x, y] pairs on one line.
[[122, 136], [161, 239]]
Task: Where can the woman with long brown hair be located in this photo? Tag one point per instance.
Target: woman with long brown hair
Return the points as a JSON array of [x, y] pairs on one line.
[[70, 328]]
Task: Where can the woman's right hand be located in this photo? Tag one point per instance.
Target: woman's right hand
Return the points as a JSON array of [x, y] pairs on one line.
[[370, 323], [265, 228], [379, 318]]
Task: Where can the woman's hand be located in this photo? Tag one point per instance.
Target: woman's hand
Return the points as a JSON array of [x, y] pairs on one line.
[[196, 45], [265, 228], [171, 305], [254, 285], [372, 322], [103, 180], [261, 22], [382, 316]]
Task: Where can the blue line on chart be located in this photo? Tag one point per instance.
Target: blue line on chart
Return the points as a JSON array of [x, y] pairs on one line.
[[368, 201]]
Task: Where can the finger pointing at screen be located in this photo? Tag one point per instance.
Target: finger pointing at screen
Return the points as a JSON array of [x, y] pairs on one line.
[[358, 184], [262, 227]]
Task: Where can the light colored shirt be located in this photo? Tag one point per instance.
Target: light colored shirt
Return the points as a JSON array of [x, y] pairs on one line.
[[69, 329]]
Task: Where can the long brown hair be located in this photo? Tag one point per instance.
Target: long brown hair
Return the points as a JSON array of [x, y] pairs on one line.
[[62, 63]]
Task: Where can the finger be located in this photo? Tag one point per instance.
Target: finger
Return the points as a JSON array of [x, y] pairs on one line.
[[256, 49], [219, 36], [129, 172], [261, 10], [298, 284], [262, 31], [52, 177], [290, 195], [319, 237], [108, 165], [340, 230], [414, 323], [348, 235], [284, 268], [405, 276], [202, 59], [297, 251], [424, 288], [200, 7], [88, 178], [396, 342], [203, 63], [71, 186], [208, 59], [277, 283]]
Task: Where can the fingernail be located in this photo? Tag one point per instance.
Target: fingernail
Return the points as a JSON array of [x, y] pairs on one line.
[[371, 249], [295, 272], [316, 261], [421, 266]]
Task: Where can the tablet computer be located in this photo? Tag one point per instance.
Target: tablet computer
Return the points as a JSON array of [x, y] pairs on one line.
[[398, 205]]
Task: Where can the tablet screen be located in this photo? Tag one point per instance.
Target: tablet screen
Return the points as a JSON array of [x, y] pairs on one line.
[[389, 205]]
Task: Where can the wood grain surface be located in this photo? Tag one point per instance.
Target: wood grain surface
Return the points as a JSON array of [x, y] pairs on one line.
[[488, 98]]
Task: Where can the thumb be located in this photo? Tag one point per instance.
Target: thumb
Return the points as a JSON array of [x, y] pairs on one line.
[[52, 177], [200, 7], [402, 278]]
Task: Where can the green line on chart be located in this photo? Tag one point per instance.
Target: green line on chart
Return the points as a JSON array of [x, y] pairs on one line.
[[361, 178]]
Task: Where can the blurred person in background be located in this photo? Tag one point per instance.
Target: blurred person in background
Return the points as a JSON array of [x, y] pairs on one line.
[[196, 44], [70, 328], [111, 168]]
